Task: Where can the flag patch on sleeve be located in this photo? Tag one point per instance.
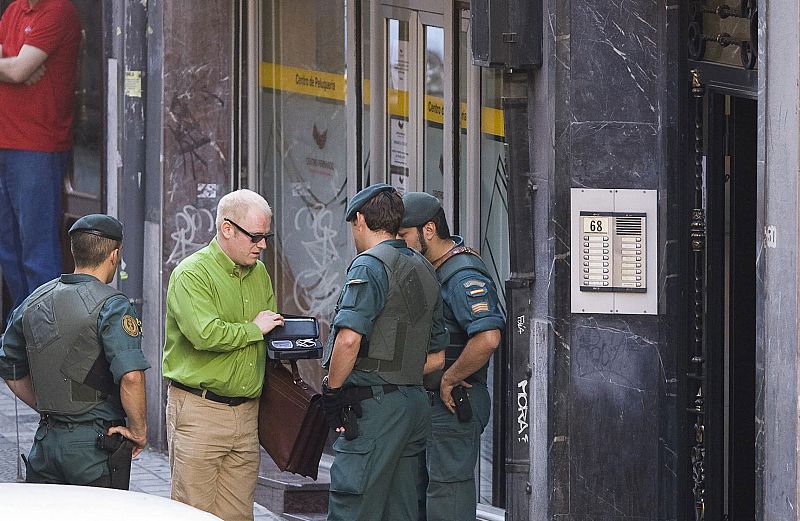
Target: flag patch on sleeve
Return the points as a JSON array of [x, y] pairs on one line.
[[477, 292]]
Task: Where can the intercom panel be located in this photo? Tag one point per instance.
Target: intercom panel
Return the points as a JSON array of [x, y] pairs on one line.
[[613, 251]]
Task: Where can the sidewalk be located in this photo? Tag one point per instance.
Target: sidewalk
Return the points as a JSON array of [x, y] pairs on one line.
[[149, 472]]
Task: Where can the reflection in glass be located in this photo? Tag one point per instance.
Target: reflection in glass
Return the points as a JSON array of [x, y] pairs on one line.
[[397, 103], [461, 183], [303, 152], [87, 152], [494, 231], [365, 72], [433, 112]]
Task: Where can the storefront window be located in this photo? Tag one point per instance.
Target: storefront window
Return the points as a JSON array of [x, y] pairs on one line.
[[461, 182], [304, 133], [494, 201], [433, 112], [303, 159], [494, 230], [397, 102]]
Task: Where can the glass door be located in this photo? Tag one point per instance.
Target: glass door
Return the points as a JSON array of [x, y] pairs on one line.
[[425, 71], [414, 71], [400, 71]]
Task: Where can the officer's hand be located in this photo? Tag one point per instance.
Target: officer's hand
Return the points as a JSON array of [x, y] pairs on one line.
[[446, 392], [267, 321], [332, 403], [139, 440]]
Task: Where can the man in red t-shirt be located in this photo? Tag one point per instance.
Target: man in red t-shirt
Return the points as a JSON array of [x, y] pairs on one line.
[[39, 41]]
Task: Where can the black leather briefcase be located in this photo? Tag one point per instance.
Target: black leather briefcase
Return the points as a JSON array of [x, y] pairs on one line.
[[297, 339]]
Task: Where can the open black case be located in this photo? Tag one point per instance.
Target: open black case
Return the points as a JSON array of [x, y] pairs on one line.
[[297, 339]]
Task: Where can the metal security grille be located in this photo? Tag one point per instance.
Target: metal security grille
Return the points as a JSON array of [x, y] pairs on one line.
[[697, 354]]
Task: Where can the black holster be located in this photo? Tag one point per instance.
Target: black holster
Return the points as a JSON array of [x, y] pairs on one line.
[[352, 411], [119, 459]]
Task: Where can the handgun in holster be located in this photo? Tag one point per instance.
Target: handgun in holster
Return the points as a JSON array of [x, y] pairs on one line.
[[462, 405], [119, 461], [350, 415]]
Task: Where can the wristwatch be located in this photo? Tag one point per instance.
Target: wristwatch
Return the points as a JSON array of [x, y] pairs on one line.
[[326, 389]]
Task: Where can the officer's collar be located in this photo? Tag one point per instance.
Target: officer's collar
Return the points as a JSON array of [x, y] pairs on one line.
[[397, 243], [74, 278], [223, 260]]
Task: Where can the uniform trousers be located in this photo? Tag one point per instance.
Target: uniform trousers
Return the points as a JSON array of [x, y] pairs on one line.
[[374, 476], [452, 453], [213, 454], [67, 454]]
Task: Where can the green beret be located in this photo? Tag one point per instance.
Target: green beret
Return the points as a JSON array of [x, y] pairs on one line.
[[98, 224], [420, 207], [362, 197]]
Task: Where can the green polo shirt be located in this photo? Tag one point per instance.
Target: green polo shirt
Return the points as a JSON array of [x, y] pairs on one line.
[[211, 342]]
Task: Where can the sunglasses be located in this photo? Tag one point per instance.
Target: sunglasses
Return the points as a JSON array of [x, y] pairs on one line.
[[255, 238]]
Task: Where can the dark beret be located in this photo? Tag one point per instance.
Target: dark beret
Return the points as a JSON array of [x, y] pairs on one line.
[[420, 207], [98, 224], [362, 197]]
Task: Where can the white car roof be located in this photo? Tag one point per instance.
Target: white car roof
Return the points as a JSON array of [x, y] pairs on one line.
[[31, 501]]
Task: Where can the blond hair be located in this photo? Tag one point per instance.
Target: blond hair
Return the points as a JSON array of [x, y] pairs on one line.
[[236, 205]]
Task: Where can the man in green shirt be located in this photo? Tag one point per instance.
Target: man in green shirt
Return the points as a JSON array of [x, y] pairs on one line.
[[220, 304]]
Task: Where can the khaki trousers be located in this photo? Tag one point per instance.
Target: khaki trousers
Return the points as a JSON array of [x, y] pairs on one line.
[[213, 454]]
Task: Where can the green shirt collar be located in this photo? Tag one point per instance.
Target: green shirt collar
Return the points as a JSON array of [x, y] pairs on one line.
[[225, 262]]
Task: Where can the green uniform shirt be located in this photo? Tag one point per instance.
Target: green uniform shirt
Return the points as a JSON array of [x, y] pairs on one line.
[[211, 342], [362, 301], [471, 304], [123, 351]]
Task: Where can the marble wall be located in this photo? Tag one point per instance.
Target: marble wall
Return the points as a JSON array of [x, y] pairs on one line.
[[188, 165], [615, 80], [197, 112], [779, 164]]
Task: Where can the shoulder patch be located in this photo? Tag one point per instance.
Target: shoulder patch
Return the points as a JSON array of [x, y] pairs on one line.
[[474, 283], [480, 307], [477, 292], [354, 281], [130, 325]]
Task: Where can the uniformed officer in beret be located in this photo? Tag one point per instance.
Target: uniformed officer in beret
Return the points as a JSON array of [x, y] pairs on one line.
[[475, 321], [72, 352], [388, 330]]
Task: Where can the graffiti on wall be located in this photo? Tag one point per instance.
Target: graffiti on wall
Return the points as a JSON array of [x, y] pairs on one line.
[[192, 228], [316, 286]]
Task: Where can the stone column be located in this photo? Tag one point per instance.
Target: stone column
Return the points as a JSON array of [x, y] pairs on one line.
[[614, 84], [779, 163]]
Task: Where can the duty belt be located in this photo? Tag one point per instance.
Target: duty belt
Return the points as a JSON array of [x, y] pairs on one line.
[[456, 345], [51, 422], [233, 401], [359, 394]]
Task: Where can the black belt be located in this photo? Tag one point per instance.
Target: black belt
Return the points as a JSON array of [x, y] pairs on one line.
[[54, 422], [359, 394], [209, 395]]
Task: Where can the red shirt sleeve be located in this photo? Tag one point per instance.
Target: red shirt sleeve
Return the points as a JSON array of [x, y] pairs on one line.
[[52, 28], [3, 29]]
